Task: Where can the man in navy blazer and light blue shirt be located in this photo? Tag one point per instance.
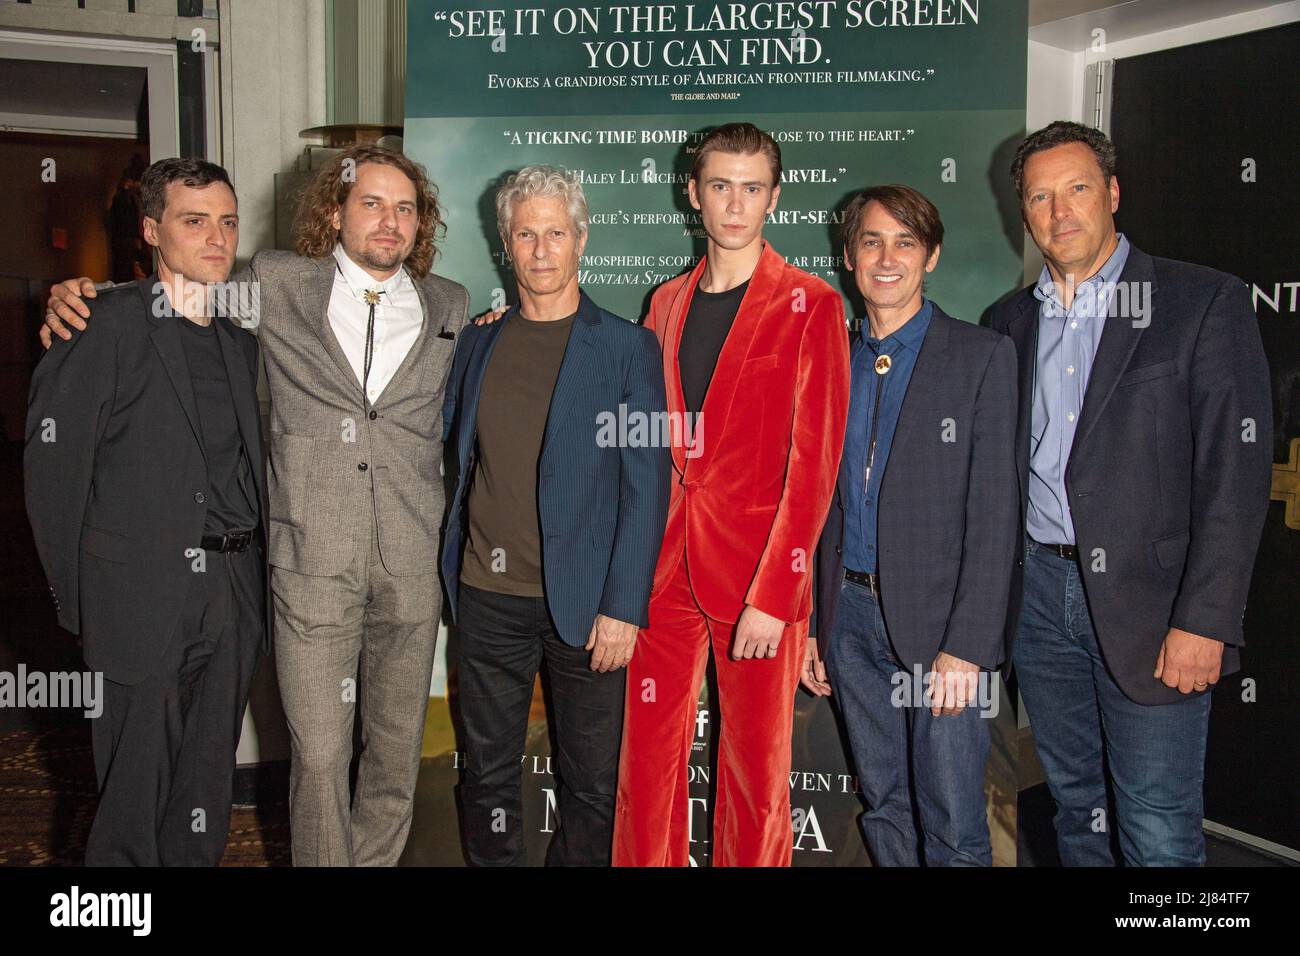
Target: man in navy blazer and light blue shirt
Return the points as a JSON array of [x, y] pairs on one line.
[[557, 410], [914, 564], [1144, 450]]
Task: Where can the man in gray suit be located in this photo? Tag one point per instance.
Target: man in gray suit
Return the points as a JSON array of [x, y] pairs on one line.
[[357, 337]]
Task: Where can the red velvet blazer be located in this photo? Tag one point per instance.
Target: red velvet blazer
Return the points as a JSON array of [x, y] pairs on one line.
[[750, 496]]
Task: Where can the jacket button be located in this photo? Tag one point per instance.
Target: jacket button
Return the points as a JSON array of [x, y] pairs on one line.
[[838, 549], [373, 415], [362, 467], [198, 496]]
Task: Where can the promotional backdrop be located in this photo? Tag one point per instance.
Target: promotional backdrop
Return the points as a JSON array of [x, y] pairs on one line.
[[857, 92]]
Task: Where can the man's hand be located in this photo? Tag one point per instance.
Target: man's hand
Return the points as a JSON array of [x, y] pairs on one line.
[[487, 318], [611, 643], [65, 305], [1188, 661], [952, 684], [813, 675], [757, 634]]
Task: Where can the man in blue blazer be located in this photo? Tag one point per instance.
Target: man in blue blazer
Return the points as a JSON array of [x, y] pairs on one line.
[[559, 420], [914, 564], [1144, 454]]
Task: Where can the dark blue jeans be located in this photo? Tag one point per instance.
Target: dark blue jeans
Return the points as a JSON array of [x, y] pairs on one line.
[[1084, 726], [911, 765]]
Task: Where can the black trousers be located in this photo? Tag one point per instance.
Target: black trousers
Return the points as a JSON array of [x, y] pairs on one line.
[[503, 640], [165, 747]]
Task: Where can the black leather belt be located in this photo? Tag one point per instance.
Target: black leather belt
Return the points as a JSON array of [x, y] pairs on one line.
[[1067, 551], [227, 543], [870, 581]]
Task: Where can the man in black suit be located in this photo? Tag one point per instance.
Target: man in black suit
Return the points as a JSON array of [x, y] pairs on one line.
[[914, 564], [1144, 458], [145, 488]]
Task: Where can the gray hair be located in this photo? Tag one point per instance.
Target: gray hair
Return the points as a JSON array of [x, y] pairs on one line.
[[532, 181]]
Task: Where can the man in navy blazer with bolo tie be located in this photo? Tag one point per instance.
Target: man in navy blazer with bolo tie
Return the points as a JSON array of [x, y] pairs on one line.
[[914, 564]]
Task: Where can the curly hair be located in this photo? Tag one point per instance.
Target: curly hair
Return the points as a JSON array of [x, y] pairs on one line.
[[314, 232]]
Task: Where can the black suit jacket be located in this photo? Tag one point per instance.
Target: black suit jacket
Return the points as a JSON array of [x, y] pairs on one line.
[[115, 475], [946, 528], [1169, 473]]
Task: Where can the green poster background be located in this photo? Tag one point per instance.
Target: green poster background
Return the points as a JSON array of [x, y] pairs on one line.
[[925, 92]]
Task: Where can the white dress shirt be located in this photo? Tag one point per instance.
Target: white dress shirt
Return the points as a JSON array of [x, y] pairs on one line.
[[398, 318]]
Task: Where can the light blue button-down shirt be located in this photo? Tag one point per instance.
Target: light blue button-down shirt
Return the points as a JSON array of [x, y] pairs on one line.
[[1067, 345]]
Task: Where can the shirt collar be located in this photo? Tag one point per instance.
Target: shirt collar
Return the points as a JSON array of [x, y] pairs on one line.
[[1109, 273], [910, 334], [359, 280]]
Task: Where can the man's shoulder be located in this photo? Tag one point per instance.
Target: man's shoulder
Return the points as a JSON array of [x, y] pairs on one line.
[[1190, 278], [618, 329], [1003, 311], [283, 260], [966, 333], [442, 287], [792, 277], [123, 309]]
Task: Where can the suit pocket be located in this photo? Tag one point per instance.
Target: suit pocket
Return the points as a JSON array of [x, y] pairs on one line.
[[1147, 373], [106, 545], [1171, 551]]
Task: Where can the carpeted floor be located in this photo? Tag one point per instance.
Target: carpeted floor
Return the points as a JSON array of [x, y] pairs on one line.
[[47, 777]]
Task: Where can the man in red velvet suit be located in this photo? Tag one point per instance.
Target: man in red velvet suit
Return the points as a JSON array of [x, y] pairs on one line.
[[756, 365]]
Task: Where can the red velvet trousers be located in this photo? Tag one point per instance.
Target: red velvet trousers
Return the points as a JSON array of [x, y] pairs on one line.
[[751, 816]]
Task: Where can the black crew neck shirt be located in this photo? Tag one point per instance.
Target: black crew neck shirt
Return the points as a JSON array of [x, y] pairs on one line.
[[708, 322]]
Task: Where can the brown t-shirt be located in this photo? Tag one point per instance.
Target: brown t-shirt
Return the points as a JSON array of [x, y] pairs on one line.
[[503, 552]]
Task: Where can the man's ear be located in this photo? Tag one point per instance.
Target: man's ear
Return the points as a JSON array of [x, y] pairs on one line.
[[934, 259], [776, 194], [336, 220], [150, 229], [693, 193]]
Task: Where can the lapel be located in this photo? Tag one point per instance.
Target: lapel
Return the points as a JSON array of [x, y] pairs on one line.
[[243, 391], [413, 353], [1119, 337], [763, 287], [927, 374], [314, 288], [855, 343], [672, 371], [475, 368], [166, 338], [574, 369], [1023, 331]]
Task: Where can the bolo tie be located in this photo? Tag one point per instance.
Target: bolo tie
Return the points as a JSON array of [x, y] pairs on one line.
[[371, 297], [883, 364]]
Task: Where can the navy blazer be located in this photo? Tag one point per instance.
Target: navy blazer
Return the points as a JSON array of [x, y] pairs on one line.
[[1169, 473], [946, 520], [602, 509]]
